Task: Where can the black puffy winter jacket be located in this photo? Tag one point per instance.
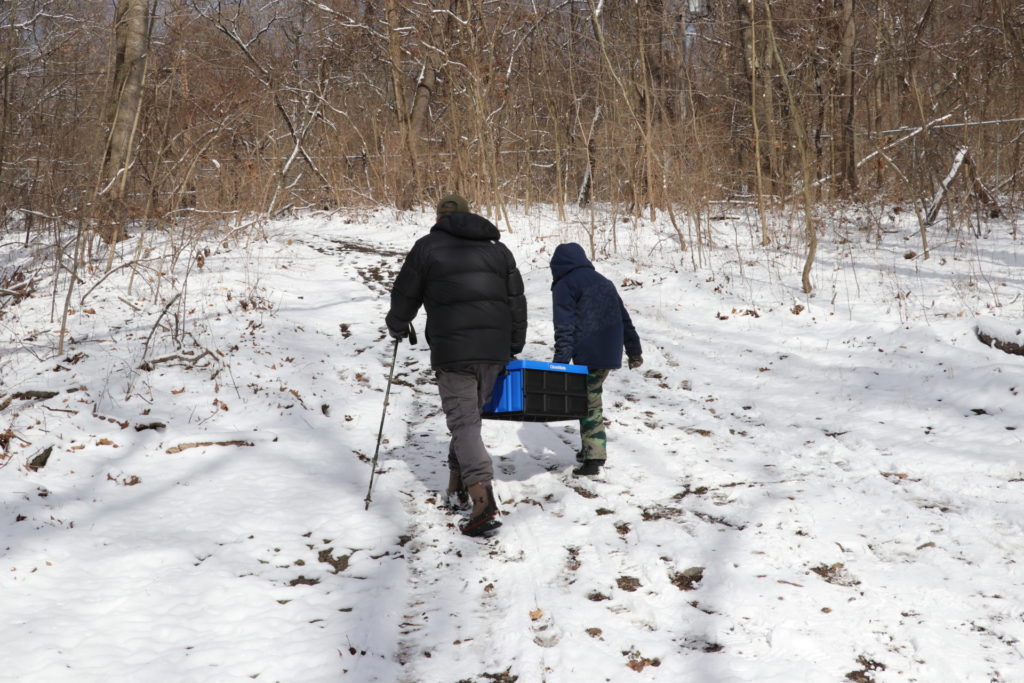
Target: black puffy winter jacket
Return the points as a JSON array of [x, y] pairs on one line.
[[472, 291]]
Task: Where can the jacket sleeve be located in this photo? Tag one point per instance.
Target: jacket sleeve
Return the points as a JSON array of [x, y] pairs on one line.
[[517, 302], [631, 339], [407, 292], [564, 314]]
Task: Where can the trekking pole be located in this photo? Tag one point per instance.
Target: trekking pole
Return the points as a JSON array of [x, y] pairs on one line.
[[380, 432]]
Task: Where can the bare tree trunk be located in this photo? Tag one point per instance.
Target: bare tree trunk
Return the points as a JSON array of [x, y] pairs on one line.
[[1013, 31], [635, 121], [419, 117], [755, 69], [847, 103], [72, 279], [406, 183], [586, 185], [940, 194], [805, 166], [652, 74], [132, 26], [6, 59]]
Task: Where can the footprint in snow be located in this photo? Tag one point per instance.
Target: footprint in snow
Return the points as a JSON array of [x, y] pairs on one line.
[[545, 633]]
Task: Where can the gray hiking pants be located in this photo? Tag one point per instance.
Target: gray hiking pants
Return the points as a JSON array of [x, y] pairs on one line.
[[463, 394]]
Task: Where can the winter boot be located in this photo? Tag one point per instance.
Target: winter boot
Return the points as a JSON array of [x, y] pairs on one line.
[[580, 457], [589, 468], [484, 517], [456, 498]]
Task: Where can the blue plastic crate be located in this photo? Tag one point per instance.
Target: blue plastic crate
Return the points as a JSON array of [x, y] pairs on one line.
[[535, 391]]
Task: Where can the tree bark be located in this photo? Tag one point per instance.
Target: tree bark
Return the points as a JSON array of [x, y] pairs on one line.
[[940, 193], [132, 25], [755, 69], [587, 184], [798, 134], [7, 58], [406, 183], [848, 77], [419, 118]]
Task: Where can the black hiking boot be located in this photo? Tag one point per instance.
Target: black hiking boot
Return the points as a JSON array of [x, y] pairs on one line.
[[484, 517], [589, 468]]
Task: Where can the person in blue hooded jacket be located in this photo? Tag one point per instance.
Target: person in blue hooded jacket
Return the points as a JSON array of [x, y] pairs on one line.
[[592, 327]]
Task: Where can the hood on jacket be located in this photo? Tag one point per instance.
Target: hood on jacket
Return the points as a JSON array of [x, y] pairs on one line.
[[468, 226], [567, 258]]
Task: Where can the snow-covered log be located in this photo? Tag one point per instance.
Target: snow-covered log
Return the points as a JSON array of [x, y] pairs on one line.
[[1001, 335]]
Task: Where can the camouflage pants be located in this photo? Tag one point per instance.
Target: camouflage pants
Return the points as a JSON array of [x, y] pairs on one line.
[[594, 444]]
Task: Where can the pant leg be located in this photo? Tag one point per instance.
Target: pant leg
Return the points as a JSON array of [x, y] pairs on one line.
[[463, 394], [594, 442]]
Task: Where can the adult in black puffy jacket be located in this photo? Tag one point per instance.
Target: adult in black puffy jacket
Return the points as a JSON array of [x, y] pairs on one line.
[[467, 281], [592, 327]]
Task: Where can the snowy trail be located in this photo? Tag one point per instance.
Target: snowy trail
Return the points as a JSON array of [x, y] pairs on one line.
[[796, 491], [460, 613]]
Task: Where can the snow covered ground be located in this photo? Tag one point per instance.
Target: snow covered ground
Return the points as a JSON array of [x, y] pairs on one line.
[[818, 489]]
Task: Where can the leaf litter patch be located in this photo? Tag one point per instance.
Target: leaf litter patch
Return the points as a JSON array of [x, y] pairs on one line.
[[688, 579], [837, 574], [863, 675]]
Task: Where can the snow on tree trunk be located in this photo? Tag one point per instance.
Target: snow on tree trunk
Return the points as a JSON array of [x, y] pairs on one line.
[[933, 210]]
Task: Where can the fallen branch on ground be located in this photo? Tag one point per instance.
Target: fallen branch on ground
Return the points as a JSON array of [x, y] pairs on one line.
[[192, 360], [25, 396], [201, 444]]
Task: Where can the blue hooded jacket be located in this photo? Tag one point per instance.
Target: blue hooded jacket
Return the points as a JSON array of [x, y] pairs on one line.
[[591, 323]]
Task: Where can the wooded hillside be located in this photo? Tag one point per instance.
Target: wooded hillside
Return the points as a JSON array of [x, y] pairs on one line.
[[159, 109]]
